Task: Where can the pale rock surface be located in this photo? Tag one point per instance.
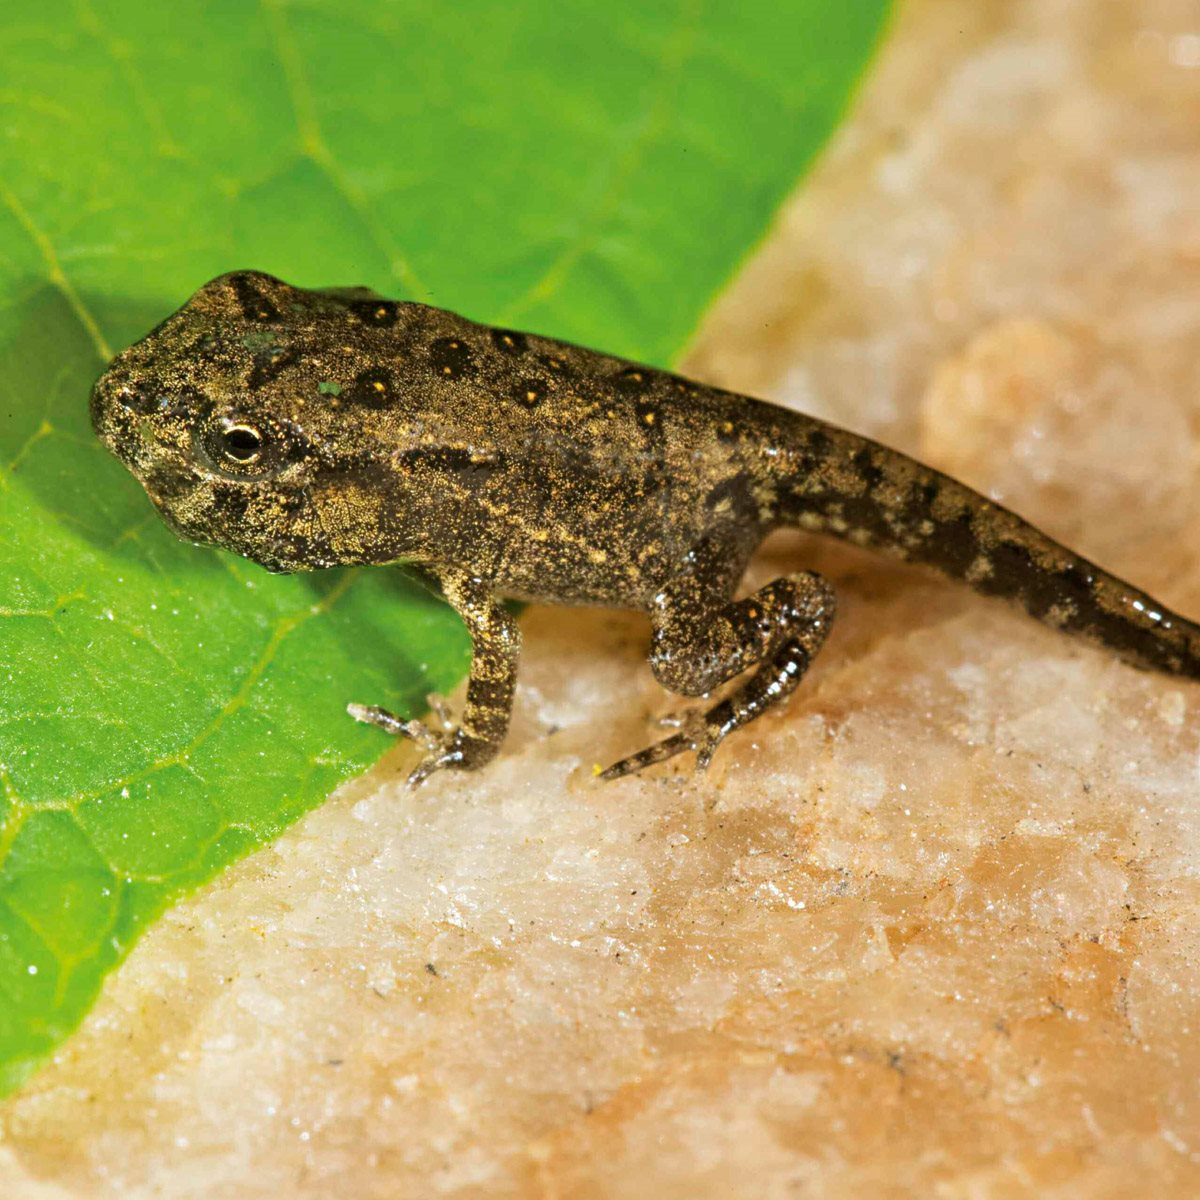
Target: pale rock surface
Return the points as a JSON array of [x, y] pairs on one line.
[[933, 932]]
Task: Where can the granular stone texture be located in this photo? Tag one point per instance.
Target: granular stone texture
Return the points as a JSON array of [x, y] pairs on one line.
[[935, 930]]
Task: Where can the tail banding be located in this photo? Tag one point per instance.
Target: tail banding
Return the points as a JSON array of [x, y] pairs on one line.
[[851, 487]]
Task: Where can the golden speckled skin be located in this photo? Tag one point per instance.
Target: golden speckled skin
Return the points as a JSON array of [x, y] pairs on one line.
[[308, 429]]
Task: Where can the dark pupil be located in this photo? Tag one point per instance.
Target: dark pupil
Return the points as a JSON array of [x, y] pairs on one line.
[[242, 444]]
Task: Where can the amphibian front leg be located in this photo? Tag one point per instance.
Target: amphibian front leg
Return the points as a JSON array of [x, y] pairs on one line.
[[496, 647], [701, 640]]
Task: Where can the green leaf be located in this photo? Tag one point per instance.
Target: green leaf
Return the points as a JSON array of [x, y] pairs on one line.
[[590, 171]]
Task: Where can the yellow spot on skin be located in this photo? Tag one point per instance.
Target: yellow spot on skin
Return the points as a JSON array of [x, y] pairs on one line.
[[381, 311], [752, 613], [597, 769], [531, 396], [447, 371], [608, 412], [726, 426], [379, 387], [648, 418], [636, 376]]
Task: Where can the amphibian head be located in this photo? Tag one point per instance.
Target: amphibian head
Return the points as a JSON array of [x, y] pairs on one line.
[[259, 418]]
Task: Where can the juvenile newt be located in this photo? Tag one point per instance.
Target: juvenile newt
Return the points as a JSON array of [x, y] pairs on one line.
[[315, 428]]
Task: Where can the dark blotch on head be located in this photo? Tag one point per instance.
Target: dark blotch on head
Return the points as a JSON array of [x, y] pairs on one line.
[[451, 358], [139, 399], [380, 313], [267, 366], [146, 400], [255, 306], [507, 341], [372, 388]]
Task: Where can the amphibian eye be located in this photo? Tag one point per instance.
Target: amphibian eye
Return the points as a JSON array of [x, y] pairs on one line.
[[247, 446], [242, 443]]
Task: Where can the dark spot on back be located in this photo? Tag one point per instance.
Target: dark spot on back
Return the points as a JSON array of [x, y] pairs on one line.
[[631, 379], [254, 304], [507, 341], [451, 358], [371, 388], [647, 415], [206, 348], [529, 392], [552, 362], [379, 313]]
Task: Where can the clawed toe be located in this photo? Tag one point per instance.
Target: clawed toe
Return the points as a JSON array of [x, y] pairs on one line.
[[441, 709], [452, 748], [417, 731], [695, 734]]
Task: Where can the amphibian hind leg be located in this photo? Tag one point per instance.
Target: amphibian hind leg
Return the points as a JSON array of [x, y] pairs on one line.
[[781, 627], [496, 648]]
